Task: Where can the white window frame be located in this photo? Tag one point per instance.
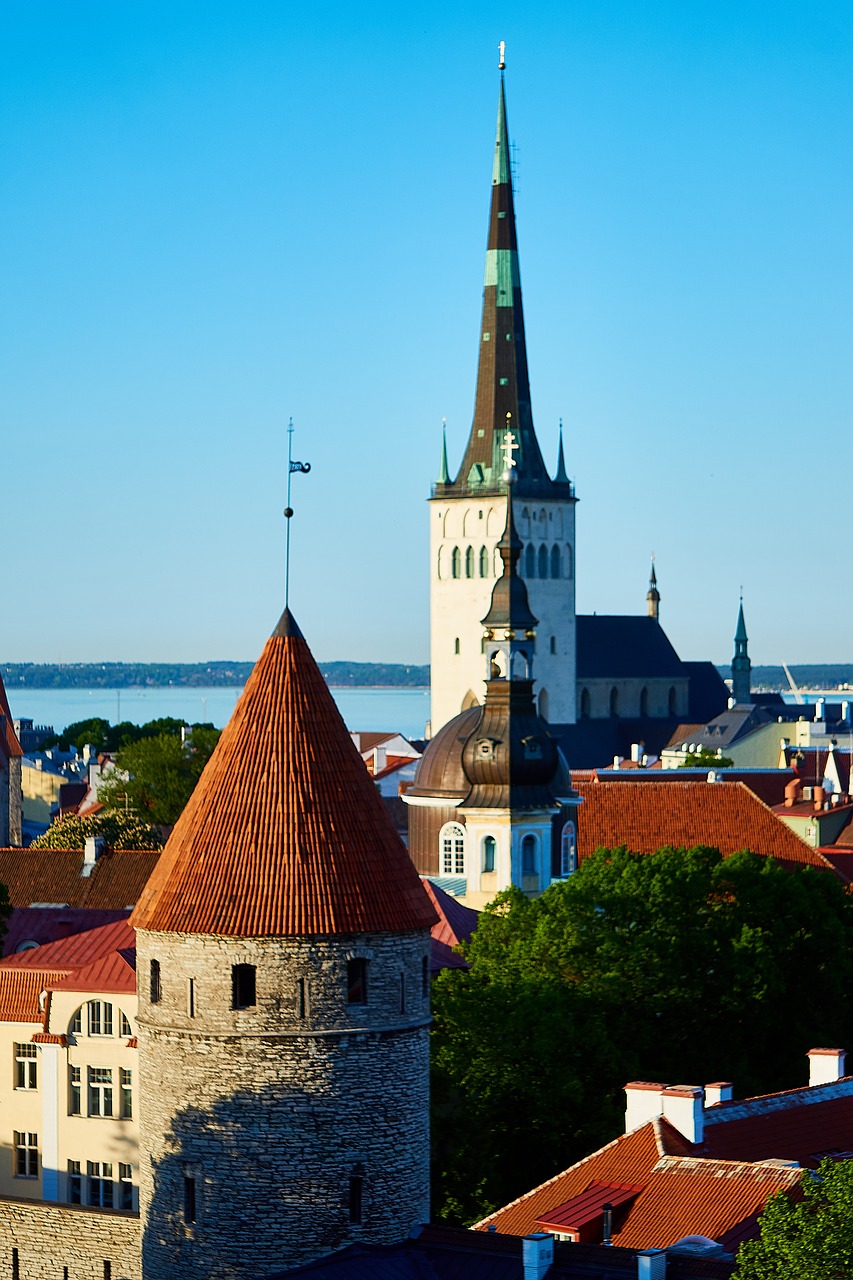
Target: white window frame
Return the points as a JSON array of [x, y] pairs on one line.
[[568, 849], [125, 1102], [451, 848], [74, 1183], [26, 1155], [100, 1089], [26, 1067], [125, 1187], [75, 1090], [100, 1018], [99, 1184]]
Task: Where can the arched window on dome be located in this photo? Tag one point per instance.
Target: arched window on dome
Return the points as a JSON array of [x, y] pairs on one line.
[[456, 563], [555, 562], [469, 562], [490, 846], [568, 850], [542, 565], [530, 561], [484, 563], [451, 845], [586, 704], [528, 856]]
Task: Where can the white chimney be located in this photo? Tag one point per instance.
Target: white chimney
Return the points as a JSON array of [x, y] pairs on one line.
[[537, 1254], [380, 759], [732, 703], [825, 1065], [617, 760], [720, 1091], [683, 1108], [643, 1102], [819, 707], [636, 752], [651, 1264], [93, 849]]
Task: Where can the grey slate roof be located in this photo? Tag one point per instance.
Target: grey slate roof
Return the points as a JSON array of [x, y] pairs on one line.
[[624, 646]]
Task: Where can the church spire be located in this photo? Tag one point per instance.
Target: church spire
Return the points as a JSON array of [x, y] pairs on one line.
[[443, 472], [741, 664], [503, 385], [562, 476], [653, 595]]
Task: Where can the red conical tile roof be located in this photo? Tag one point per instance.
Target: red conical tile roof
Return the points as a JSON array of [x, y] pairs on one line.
[[285, 833]]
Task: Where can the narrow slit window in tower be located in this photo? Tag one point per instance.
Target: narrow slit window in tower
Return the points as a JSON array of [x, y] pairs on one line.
[[156, 991], [456, 563], [402, 993], [301, 1001], [356, 1195], [484, 562], [489, 848], [469, 562], [243, 986], [191, 998], [357, 980], [189, 1199]]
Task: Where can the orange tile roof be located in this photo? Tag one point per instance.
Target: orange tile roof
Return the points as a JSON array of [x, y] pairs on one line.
[[20, 991], [77, 950], [9, 744], [285, 833], [114, 973], [53, 875], [726, 815]]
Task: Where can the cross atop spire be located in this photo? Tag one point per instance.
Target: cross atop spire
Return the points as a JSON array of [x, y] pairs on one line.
[[503, 385]]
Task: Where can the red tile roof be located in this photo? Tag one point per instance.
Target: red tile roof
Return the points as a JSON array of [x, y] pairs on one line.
[[77, 950], [48, 924], [20, 992], [587, 1207], [726, 815], [455, 924], [9, 745], [285, 833], [114, 973], [53, 876]]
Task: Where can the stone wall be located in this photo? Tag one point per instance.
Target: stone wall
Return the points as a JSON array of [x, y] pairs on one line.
[[264, 1115], [51, 1237]]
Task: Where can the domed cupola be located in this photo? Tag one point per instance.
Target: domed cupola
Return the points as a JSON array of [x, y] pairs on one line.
[[510, 758]]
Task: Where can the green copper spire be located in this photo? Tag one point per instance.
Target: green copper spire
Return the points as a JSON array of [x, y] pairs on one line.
[[741, 664], [740, 631], [561, 477], [443, 473]]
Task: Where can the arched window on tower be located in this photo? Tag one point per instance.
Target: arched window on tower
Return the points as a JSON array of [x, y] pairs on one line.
[[568, 850], [542, 566], [614, 702], [644, 701], [555, 562], [442, 563], [456, 563], [530, 561], [456, 645], [490, 846], [469, 562], [586, 704], [484, 563], [569, 563], [543, 703], [452, 849], [528, 856]]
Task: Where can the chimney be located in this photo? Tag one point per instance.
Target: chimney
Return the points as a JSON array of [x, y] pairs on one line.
[[683, 1108], [732, 703], [617, 760], [607, 1224], [818, 795], [93, 850], [819, 708], [643, 1102], [651, 1264], [825, 1066], [720, 1091], [792, 793], [537, 1254], [380, 759], [636, 752]]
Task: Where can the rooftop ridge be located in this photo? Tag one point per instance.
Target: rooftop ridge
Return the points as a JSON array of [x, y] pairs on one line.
[[784, 1100]]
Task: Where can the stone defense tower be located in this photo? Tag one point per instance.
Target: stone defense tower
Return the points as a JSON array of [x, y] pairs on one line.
[[741, 664], [468, 514], [283, 970]]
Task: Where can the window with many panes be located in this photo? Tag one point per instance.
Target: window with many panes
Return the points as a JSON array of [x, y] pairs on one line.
[[126, 1098], [74, 1091], [74, 1186], [125, 1186], [100, 1091], [26, 1066], [453, 850], [26, 1155], [99, 1184], [100, 1018], [124, 1027], [76, 1024]]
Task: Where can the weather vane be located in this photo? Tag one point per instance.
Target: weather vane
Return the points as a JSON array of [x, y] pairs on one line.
[[292, 466], [502, 51]]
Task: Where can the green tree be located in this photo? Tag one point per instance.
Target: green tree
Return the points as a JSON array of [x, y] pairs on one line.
[[705, 758], [678, 965], [155, 776], [118, 830], [808, 1236]]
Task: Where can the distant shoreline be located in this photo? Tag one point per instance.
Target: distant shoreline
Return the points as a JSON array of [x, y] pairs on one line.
[[30, 676]]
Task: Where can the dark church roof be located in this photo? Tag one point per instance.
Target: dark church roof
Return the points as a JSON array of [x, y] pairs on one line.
[[624, 646]]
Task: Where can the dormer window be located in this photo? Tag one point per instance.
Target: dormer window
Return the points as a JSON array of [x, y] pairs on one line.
[[486, 748]]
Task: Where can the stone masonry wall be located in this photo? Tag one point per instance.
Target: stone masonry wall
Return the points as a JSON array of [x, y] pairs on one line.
[[271, 1110], [49, 1237]]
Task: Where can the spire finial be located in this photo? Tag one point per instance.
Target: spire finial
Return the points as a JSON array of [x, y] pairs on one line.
[[508, 448], [502, 52], [288, 510], [562, 476], [443, 471]]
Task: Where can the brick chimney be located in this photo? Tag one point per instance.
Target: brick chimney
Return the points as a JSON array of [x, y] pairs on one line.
[[825, 1066], [683, 1107], [643, 1102]]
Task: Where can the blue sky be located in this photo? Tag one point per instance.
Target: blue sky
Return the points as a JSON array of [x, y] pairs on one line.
[[215, 216]]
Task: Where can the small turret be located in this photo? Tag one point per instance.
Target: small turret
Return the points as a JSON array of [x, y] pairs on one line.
[[741, 664], [653, 595]]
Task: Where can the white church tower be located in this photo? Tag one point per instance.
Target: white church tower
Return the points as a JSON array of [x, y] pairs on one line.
[[468, 513]]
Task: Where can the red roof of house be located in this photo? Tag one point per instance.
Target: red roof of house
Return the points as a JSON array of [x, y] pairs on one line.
[[20, 993], [726, 815], [9, 744], [285, 833], [77, 950], [41, 925], [587, 1206], [455, 924], [115, 973], [54, 876]]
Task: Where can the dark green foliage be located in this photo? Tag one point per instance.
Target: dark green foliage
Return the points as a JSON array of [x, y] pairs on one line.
[[807, 1236], [99, 733], [705, 759], [156, 776], [679, 966], [118, 830]]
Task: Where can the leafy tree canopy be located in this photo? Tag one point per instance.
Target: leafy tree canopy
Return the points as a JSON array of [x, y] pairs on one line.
[[705, 759], [807, 1236], [111, 737], [155, 776], [118, 830], [678, 965]]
